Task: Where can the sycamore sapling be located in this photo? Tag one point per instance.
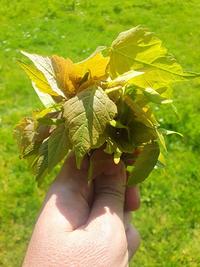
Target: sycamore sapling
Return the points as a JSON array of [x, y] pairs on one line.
[[102, 101]]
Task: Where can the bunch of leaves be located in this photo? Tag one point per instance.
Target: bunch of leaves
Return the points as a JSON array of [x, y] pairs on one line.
[[102, 101]]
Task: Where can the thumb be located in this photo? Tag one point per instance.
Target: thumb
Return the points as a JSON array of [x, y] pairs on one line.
[[109, 186], [67, 204]]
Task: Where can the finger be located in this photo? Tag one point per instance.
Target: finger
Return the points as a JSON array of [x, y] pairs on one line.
[[67, 202], [127, 219], [109, 191], [133, 240], [132, 235], [132, 198]]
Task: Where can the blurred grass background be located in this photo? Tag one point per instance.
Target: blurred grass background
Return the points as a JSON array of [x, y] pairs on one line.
[[169, 218]]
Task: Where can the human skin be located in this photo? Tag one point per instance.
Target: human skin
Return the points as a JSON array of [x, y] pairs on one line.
[[83, 224]]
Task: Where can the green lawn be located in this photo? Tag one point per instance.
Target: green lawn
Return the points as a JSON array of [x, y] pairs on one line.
[[169, 218]]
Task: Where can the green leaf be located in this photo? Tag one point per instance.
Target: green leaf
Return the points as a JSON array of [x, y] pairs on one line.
[[161, 161], [168, 132], [155, 97], [140, 50], [123, 79], [161, 139], [131, 91], [50, 121], [117, 124], [138, 111], [118, 138], [117, 156], [58, 146], [144, 164], [112, 148], [31, 150], [140, 133], [87, 115], [40, 162]]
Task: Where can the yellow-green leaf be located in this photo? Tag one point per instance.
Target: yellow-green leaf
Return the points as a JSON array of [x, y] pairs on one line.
[[38, 78], [155, 97], [168, 132], [96, 64], [141, 50], [44, 65], [46, 99], [87, 115], [123, 79], [161, 161], [138, 111], [161, 139]]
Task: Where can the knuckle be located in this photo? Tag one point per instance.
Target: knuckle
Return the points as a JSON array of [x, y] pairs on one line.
[[110, 191]]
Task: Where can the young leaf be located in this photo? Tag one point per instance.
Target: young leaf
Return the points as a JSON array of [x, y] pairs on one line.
[[96, 64], [118, 138], [161, 139], [117, 156], [118, 124], [161, 161], [31, 150], [168, 132], [155, 97], [39, 162], [144, 163], [24, 133], [67, 77], [38, 78], [140, 133], [112, 148], [42, 132], [44, 113], [123, 79], [58, 146], [50, 121], [138, 112], [102, 100], [44, 65], [140, 50], [87, 115], [45, 98]]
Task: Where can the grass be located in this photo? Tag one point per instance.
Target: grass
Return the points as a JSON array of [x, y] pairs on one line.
[[169, 216]]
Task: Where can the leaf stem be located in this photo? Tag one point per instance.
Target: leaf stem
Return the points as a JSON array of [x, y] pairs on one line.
[[113, 89]]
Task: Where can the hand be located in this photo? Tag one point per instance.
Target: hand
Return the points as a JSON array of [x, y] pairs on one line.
[[86, 225]]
